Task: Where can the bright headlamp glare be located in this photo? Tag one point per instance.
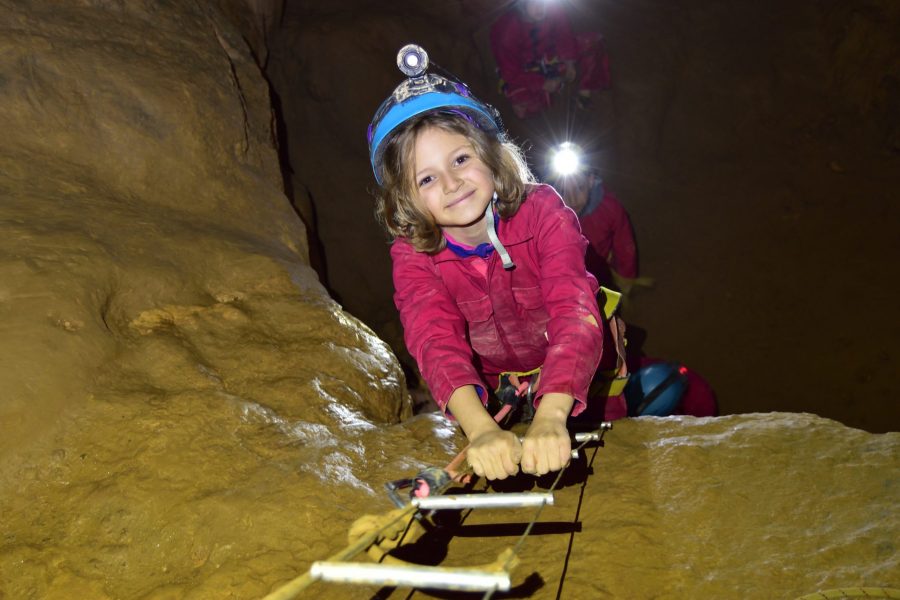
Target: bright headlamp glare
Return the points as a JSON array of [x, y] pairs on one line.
[[412, 60], [566, 159]]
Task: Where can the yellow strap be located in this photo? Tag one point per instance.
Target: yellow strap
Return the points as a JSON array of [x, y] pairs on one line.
[[611, 301], [607, 383]]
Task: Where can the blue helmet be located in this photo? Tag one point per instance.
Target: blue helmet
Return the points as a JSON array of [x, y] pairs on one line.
[[655, 389], [421, 93]]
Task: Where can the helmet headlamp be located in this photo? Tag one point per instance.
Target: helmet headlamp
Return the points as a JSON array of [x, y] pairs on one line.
[[412, 60], [423, 92], [565, 160]]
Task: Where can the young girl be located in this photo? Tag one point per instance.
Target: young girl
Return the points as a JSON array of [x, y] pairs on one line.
[[488, 269]]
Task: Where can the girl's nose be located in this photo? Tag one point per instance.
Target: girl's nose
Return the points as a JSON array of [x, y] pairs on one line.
[[451, 184]]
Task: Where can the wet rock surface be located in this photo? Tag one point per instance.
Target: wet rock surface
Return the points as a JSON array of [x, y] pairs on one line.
[[164, 339], [209, 498], [752, 506]]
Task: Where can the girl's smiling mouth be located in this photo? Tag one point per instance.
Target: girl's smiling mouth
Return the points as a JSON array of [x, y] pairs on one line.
[[462, 198]]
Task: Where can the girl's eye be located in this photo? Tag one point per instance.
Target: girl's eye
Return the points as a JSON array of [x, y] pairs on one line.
[[425, 181], [461, 159]]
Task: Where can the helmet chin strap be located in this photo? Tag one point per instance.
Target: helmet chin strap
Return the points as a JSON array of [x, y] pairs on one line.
[[492, 234]]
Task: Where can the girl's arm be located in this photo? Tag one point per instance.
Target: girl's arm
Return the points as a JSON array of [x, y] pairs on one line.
[[493, 452], [573, 332], [433, 328]]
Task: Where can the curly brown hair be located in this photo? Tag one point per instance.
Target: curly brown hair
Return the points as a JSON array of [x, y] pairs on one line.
[[396, 208]]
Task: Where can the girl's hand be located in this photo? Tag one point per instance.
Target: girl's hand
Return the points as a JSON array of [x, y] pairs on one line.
[[547, 446], [495, 454], [492, 452]]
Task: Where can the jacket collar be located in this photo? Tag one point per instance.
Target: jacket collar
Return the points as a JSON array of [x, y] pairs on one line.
[[512, 231]]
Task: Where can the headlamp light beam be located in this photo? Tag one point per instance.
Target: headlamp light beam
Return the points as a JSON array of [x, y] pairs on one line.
[[566, 159]]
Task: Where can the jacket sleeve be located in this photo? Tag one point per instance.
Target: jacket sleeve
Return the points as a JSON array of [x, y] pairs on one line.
[[624, 249], [508, 48], [575, 343], [433, 328]]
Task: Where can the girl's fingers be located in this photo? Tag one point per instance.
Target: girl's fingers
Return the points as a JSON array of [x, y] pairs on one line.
[[497, 467], [543, 455], [507, 458], [510, 467], [476, 465], [497, 459], [528, 460]]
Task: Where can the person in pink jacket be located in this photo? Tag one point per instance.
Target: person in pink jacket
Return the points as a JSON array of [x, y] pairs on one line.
[[536, 51], [488, 269], [612, 252], [612, 258]]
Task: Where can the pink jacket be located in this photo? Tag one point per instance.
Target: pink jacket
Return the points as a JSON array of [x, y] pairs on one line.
[[608, 231], [518, 44], [463, 327]]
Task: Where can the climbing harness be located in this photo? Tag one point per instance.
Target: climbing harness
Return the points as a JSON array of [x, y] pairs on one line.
[[514, 396], [378, 535], [549, 68], [515, 390]]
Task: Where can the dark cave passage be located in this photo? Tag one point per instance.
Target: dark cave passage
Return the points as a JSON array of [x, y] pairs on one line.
[[754, 149]]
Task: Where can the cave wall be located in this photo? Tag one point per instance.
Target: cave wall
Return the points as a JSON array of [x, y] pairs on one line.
[[114, 184], [171, 369]]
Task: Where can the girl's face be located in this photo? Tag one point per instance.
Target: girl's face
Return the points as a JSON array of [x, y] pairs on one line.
[[452, 184]]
